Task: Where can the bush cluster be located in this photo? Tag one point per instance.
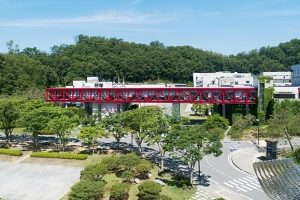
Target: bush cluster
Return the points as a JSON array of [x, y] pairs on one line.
[[183, 181], [11, 152], [59, 155]]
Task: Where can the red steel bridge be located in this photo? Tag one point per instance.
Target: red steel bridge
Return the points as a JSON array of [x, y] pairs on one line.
[[224, 95]]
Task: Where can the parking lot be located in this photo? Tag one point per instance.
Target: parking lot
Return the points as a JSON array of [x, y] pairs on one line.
[[30, 181]]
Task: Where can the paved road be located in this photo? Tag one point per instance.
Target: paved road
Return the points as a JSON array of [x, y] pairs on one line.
[[221, 171]]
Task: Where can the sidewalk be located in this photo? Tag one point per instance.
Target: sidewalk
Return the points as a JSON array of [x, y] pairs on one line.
[[243, 159]]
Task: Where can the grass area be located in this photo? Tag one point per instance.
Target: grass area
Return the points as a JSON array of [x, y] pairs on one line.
[[172, 189], [20, 130]]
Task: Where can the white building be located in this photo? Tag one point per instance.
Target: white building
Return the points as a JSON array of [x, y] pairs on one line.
[[279, 78], [286, 93], [223, 79], [295, 70]]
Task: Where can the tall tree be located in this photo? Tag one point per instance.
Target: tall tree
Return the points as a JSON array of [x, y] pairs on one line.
[[9, 114], [192, 143], [139, 122], [62, 127], [36, 120], [115, 125], [90, 134]]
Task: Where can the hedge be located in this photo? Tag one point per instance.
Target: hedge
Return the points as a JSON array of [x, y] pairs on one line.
[[59, 155], [11, 152]]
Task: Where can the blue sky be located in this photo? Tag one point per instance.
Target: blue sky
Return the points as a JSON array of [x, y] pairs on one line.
[[221, 26]]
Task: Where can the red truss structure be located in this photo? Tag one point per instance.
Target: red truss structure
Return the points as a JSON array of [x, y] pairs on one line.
[[227, 95]]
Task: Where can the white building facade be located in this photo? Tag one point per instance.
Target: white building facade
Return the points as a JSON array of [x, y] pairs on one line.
[[279, 78], [223, 79], [295, 70]]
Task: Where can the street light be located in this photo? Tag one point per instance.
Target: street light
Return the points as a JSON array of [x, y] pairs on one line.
[[257, 120]]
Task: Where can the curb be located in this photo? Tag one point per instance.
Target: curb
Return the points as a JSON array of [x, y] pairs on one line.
[[233, 164]]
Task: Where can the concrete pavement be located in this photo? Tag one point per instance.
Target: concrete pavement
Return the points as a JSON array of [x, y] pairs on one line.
[[243, 159]]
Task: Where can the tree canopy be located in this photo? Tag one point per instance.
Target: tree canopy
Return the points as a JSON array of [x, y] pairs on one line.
[[109, 58]]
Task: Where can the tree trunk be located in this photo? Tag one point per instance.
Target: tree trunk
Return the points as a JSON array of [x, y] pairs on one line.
[[191, 175], [118, 145], [287, 136], [35, 140], [162, 155], [162, 167]]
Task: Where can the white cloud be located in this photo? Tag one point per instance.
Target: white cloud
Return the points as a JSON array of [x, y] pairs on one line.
[[107, 17]]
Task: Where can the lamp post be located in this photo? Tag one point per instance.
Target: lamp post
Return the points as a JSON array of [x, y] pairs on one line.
[[257, 120]]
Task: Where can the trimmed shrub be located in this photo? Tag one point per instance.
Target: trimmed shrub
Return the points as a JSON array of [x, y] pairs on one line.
[[164, 197], [59, 155], [183, 181], [149, 190], [93, 172], [128, 175], [111, 163], [143, 161], [143, 170], [11, 152], [87, 190], [119, 191], [128, 161], [296, 155]]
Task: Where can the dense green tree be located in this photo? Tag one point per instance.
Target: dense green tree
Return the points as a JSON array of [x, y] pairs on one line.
[[109, 58], [86, 190], [112, 163], [192, 143], [149, 190], [90, 134], [36, 120], [119, 191], [9, 114], [93, 172], [114, 124], [143, 170], [128, 161], [62, 126], [216, 121], [140, 123], [201, 109], [128, 175]]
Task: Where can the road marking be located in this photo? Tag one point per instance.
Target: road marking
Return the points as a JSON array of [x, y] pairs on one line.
[[237, 181], [255, 184], [251, 178], [251, 186], [233, 183], [242, 180], [228, 184], [241, 189], [246, 187]]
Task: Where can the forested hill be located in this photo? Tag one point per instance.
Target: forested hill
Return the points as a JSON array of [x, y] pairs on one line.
[[109, 58]]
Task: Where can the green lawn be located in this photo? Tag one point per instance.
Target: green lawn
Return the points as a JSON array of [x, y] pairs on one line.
[[20, 130]]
